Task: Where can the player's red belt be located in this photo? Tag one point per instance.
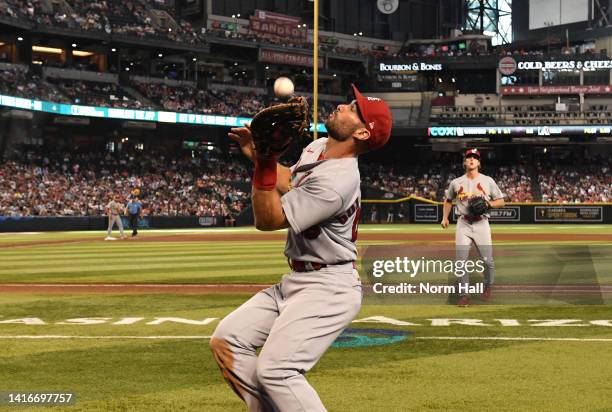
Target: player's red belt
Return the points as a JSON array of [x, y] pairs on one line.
[[301, 266], [473, 219]]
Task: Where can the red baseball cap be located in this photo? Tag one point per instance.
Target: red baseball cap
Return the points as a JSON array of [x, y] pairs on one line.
[[377, 117], [472, 152]]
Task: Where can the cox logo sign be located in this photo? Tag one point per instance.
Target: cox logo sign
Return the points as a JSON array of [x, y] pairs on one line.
[[444, 131]]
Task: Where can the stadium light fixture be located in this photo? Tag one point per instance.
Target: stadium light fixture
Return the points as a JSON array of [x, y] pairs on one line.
[[113, 50], [127, 69], [81, 53], [160, 55], [195, 59], [49, 50], [74, 44], [19, 38]]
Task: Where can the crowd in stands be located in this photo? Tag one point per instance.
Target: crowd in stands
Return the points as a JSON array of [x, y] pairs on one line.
[[570, 184], [425, 183], [81, 185], [96, 94], [256, 37], [110, 16], [475, 49], [17, 81], [75, 184], [548, 182], [192, 100]]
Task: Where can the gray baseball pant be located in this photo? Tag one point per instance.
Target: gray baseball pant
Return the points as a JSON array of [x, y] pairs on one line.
[[294, 322], [112, 219], [478, 233]]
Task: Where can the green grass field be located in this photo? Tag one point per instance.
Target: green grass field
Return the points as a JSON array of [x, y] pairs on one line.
[[125, 351]]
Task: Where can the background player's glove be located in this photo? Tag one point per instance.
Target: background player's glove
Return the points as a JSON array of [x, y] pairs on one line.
[[274, 127], [478, 206]]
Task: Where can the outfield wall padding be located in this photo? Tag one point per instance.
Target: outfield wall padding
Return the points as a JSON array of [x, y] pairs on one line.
[[408, 211], [416, 210], [64, 223]]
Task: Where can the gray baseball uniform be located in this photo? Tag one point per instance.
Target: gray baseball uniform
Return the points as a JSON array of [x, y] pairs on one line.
[[296, 320], [471, 230], [114, 216]]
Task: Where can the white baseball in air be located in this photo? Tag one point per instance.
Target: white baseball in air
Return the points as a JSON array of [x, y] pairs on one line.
[[283, 87]]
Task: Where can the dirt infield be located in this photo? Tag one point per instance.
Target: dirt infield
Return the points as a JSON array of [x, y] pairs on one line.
[[204, 289], [392, 237]]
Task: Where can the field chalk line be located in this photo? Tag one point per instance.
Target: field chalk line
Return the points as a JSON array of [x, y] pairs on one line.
[[202, 337]]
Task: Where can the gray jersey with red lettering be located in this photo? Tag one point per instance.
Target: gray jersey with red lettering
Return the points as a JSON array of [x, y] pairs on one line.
[[462, 188], [322, 207]]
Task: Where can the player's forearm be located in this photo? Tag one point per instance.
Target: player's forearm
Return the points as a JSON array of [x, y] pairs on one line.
[[448, 206], [283, 178], [497, 203], [268, 210]]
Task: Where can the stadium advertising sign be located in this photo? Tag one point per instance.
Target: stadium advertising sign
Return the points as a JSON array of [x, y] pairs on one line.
[[568, 214], [515, 131], [294, 59], [276, 24], [507, 65], [403, 81], [128, 114], [526, 90], [425, 213], [506, 214], [409, 67]]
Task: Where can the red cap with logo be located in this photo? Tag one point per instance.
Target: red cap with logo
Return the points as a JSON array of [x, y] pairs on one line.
[[377, 117], [472, 152]]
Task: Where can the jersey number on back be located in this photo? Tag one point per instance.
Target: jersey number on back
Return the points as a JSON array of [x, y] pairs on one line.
[[344, 217]]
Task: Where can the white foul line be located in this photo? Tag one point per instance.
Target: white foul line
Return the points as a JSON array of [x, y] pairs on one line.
[[202, 337]]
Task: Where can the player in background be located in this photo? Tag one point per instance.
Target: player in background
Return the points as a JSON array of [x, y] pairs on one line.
[[473, 229], [133, 209], [296, 320], [113, 210]]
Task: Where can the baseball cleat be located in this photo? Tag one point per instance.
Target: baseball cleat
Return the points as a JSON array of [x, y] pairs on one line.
[[486, 295], [464, 302]]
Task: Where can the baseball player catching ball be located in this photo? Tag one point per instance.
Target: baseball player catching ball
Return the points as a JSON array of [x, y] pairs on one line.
[[475, 194], [296, 320]]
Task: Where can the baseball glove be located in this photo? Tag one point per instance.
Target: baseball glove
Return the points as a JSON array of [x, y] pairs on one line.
[[274, 127], [478, 206]]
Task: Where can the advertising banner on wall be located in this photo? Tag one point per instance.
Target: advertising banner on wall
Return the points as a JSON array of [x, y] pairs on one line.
[[568, 214], [280, 25], [426, 213], [293, 59]]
